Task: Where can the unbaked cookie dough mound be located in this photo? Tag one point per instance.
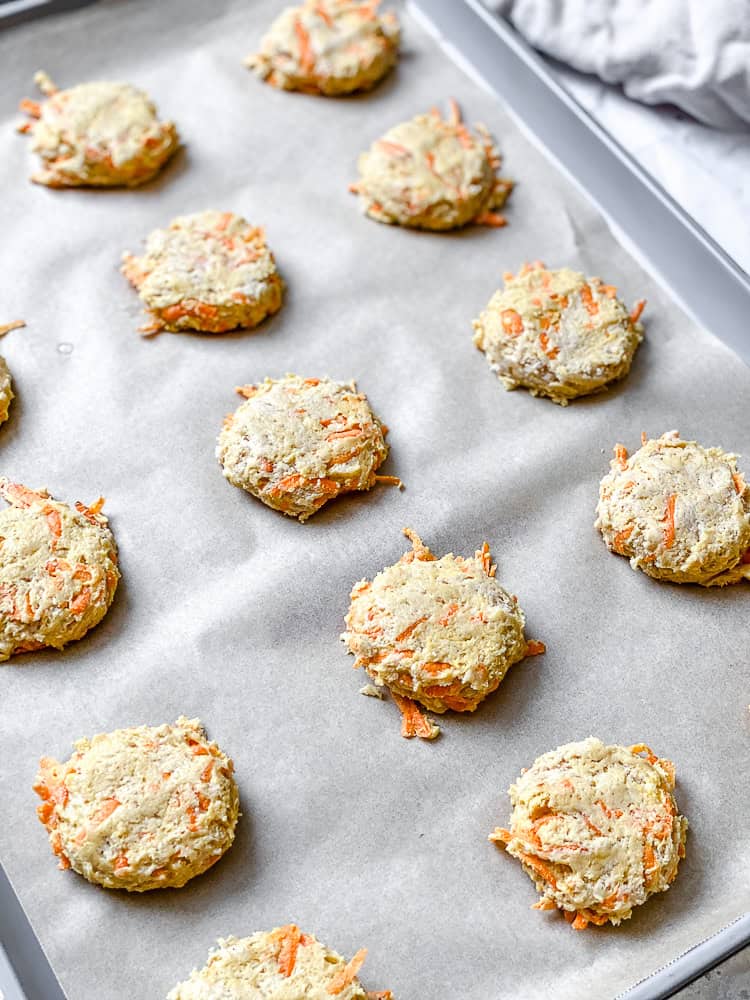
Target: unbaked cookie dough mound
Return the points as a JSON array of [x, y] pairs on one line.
[[211, 271], [58, 570], [596, 828], [558, 333], [6, 390], [441, 632], [297, 443], [141, 808], [678, 511], [96, 135], [328, 47], [283, 964], [432, 173]]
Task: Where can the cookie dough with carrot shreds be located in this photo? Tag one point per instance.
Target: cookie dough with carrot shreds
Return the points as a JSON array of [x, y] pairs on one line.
[[433, 173], [596, 828], [296, 443], [441, 632], [282, 964], [142, 808], [96, 135], [6, 388], [211, 271], [678, 511], [328, 47], [58, 570], [558, 333]]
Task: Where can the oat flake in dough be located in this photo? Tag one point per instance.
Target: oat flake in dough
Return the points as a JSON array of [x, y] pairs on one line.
[[96, 135], [297, 443], [557, 333], [596, 828], [432, 173], [441, 632], [211, 271], [58, 570], [282, 964], [678, 511], [140, 808], [328, 47]]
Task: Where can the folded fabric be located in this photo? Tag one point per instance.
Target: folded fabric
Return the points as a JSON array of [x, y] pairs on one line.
[[691, 53]]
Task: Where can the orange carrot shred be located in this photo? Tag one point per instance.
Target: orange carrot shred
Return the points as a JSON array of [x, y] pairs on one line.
[[492, 219], [413, 721], [344, 978], [290, 937], [668, 519], [637, 310], [512, 322], [535, 648], [621, 455]]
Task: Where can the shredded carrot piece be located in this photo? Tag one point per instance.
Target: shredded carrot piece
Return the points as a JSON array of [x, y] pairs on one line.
[[30, 107], [639, 748], [512, 322], [455, 112], [81, 601], [500, 835], [306, 57], [344, 978], [410, 628], [644, 437], [580, 923], [413, 721], [637, 310], [540, 868], [493, 219], [15, 325], [535, 648], [592, 308], [206, 772], [106, 811], [551, 352], [121, 861], [448, 614], [420, 550], [739, 482], [621, 455], [389, 481], [394, 148], [669, 521], [289, 938], [323, 14], [620, 538], [347, 432], [609, 290]]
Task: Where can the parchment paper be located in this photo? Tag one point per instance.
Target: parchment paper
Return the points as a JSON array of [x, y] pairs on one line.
[[231, 612]]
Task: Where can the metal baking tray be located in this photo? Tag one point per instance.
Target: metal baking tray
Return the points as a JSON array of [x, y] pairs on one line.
[[676, 249]]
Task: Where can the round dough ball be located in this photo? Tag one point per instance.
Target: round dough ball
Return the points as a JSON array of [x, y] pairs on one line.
[[328, 47], [557, 333], [442, 632], [58, 570], [283, 964], [596, 828], [429, 173], [211, 271], [678, 511], [297, 443], [141, 808], [6, 390], [97, 135]]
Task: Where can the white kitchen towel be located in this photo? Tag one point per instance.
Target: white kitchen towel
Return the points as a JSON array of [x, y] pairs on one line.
[[691, 53]]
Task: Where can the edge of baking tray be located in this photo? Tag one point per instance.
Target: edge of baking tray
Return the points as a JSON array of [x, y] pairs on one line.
[[675, 246], [698, 272]]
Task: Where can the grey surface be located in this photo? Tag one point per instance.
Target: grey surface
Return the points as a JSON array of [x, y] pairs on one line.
[[231, 612], [729, 981]]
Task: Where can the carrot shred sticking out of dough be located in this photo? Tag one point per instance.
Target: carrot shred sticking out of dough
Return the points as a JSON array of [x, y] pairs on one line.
[[419, 549], [389, 481], [621, 455], [535, 648], [620, 538], [306, 57], [484, 555], [493, 219], [639, 748], [739, 482], [15, 325], [345, 977], [393, 148], [90, 512], [413, 721], [288, 939], [669, 521], [637, 310]]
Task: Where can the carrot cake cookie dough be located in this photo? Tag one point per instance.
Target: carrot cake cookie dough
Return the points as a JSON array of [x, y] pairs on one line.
[[282, 964], [211, 271], [678, 511], [596, 828], [6, 390], [441, 632], [96, 135], [558, 333], [328, 47], [433, 173], [58, 570], [296, 443], [140, 808]]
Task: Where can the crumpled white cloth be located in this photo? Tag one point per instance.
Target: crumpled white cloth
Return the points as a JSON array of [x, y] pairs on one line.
[[691, 53]]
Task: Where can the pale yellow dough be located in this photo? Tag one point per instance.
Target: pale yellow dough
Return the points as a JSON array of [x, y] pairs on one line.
[[6, 390], [442, 632], [58, 570], [596, 828], [97, 135], [678, 511], [141, 808], [328, 47], [297, 443], [557, 333], [432, 173], [283, 964], [211, 271]]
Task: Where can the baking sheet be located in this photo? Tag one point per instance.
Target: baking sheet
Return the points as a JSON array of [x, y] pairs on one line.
[[231, 612]]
